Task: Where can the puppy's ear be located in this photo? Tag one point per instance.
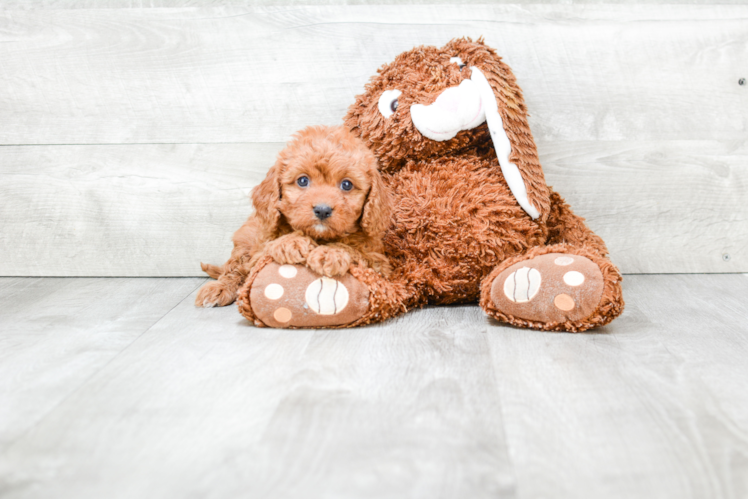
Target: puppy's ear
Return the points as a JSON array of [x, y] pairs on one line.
[[377, 212], [266, 198]]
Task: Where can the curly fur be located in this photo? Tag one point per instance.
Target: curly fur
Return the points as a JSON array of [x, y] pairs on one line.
[[284, 226]]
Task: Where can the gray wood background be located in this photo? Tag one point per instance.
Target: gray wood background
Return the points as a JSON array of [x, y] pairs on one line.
[[131, 136]]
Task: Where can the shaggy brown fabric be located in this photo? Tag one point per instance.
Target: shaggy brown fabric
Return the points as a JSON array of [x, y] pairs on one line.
[[455, 223], [301, 298], [386, 299], [549, 288], [422, 74], [610, 303]]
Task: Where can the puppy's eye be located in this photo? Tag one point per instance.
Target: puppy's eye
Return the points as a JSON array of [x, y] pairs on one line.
[[346, 185], [388, 102], [302, 181]]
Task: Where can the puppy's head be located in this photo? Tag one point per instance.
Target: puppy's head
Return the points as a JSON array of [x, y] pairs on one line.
[[325, 184]]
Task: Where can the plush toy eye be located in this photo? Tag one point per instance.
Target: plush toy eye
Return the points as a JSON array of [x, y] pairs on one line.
[[388, 102], [302, 181], [457, 61], [346, 185]]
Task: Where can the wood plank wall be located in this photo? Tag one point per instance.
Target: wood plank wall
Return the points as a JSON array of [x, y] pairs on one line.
[[131, 136]]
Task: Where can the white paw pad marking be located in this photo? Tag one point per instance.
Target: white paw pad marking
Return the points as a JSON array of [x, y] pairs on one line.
[[326, 296], [573, 278], [563, 260], [274, 291], [287, 271], [522, 285]]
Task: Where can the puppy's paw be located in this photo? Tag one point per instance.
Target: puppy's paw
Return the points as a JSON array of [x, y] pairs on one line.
[[290, 249], [329, 261], [215, 294], [380, 263]]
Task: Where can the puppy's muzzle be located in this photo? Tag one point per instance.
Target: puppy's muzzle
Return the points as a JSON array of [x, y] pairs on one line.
[[322, 211]]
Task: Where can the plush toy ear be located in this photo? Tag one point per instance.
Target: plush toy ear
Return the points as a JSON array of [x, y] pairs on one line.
[[377, 212], [266, 198], [506, 116]]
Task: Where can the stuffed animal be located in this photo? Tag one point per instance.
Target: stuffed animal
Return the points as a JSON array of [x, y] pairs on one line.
[[472, 216]]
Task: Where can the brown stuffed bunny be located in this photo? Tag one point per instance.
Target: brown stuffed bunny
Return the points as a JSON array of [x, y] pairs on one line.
[[473, 218]]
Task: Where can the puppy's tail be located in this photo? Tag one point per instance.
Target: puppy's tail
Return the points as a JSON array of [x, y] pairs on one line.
[[211, 270]]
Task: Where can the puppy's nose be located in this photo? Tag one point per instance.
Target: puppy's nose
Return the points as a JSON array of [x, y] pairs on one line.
[[322, 211]]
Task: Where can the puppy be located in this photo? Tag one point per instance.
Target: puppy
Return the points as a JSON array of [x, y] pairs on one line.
[[322, 204]]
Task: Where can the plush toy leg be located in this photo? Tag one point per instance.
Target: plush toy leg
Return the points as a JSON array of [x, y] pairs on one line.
[[295, 297], [567, 227], [558, 287]]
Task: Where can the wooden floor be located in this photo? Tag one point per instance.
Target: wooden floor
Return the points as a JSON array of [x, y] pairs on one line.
[[121, 387]]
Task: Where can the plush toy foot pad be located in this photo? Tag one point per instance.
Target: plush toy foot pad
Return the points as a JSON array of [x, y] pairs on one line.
[[289, 295], [550, 288]]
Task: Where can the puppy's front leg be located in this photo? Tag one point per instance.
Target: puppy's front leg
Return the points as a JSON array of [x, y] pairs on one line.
[[223, 291], [293, 248], [329, 260]]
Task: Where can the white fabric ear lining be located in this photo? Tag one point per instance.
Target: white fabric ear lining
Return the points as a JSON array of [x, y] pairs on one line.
[[457, 108], [501, 144], [464, 107]]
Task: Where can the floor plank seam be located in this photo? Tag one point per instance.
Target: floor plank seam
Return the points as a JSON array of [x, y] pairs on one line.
[[94, 374], [504, 430]]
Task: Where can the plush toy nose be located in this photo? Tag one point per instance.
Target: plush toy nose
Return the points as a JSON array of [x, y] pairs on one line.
[[449, 100], [322, 211], [457, 108]]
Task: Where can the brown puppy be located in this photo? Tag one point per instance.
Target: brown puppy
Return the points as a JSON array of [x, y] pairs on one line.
[[322, 204]]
